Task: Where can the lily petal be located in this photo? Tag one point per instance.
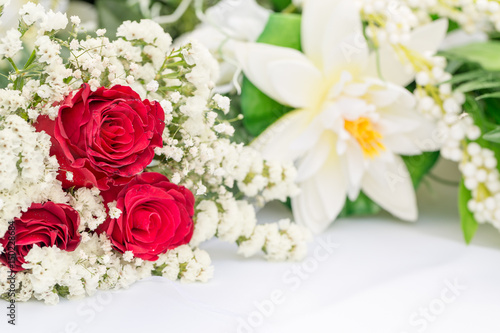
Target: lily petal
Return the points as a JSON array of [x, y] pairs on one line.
[[316, 157], [315, 17], [344, 44], [332, 33], [322, 197], [297, 82], [354, 166], [257, 61], [429, 37], [329, 119], [275, 143], [424, 138], [390, 186]]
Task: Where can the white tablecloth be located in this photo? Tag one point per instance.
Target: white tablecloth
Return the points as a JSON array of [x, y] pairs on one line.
[[377, 275]]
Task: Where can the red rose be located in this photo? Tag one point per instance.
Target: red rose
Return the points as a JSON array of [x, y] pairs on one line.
[[103, 137], [156, 216], [45, 224]]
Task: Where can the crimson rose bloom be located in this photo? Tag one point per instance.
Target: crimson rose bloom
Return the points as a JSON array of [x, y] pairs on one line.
[[104, 137], [45, 224], [156, 216]]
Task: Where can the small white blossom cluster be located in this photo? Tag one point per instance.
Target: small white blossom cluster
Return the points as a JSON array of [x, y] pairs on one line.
[[284, 241], [471, 15], [185, 264], [482, 178], [388, 21], [228, 179], [93, 266], [11, 43], [27, 171], [88, 203]]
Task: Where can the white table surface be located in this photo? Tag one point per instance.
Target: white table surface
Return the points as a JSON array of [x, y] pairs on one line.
[[381, 276]]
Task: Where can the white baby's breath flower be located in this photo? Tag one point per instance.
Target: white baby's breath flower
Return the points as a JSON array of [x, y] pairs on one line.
[[175, 97], [75, 20], [223, 102], [152, 86], [11, 44], [114, 212], [201, 190]]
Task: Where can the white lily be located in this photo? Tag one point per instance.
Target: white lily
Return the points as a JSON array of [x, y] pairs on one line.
[[349, 126]]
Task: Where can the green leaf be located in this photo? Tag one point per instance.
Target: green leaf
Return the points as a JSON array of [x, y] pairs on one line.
[[260, 110], [468, 76], [282, 30], [420, 165], [491, 107], [477, 85], [476, 110], [469, 223], [279, 5], [490, 95], [361, 206], [485, 53], [62, 291], [112, 13], [493, 136]]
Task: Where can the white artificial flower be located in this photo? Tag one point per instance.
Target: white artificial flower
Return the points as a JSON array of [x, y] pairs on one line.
[[349, 126]]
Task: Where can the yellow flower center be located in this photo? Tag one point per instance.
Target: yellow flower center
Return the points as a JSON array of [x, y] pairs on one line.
[[368, 138]]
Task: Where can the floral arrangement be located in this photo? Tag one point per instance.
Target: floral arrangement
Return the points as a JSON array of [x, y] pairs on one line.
[[120, 156], [116, 163]]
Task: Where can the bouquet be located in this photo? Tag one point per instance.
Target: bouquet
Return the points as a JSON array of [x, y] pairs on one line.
[[121, 155], [117, 162]]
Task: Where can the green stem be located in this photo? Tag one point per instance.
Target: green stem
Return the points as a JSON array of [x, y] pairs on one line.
[[13, 65], [31, 59]]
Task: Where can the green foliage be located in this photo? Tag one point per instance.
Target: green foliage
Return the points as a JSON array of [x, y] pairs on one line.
[[493, 136], [259, 110], [420, 165], [477, 85], [62, 291], [485, 54], [361, 206], [279, 5], [282, 30], [476, 70], [469, 223]]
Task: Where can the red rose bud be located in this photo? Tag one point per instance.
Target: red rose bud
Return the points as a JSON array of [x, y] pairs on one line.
[[104, 137], [45, 224], [156, 216]]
